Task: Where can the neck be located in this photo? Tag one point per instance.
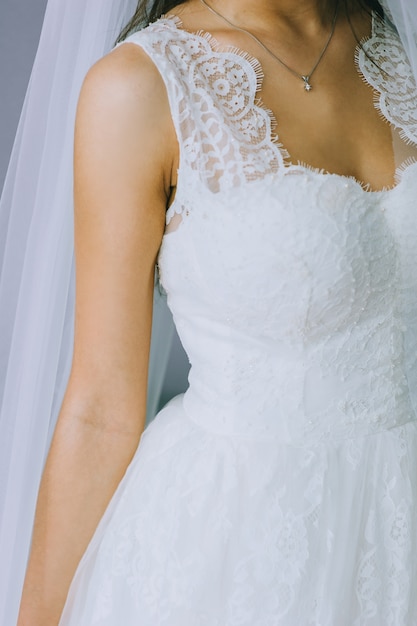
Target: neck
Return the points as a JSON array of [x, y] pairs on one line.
[[294, 13]]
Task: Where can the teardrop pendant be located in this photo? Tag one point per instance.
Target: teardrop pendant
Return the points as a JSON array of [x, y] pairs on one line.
[[307, 86]]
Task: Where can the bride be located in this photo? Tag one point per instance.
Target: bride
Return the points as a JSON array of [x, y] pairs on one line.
[[263, 155]]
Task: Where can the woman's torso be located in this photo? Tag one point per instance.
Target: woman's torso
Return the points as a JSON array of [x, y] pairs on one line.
[[292, 289]]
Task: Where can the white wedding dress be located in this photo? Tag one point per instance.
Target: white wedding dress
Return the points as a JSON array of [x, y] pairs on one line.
[[281, 488]]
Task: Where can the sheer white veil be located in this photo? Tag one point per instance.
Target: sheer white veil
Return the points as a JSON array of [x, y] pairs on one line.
[[404, 15], [36, 263]]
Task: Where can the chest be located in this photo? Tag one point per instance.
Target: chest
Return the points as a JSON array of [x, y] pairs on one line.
[[335, 127], [244, 115]]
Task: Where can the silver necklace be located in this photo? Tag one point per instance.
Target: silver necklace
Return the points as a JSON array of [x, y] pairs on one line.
[[304, 77]]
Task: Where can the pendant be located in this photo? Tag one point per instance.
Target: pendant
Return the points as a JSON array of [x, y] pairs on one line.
[[307, 86]]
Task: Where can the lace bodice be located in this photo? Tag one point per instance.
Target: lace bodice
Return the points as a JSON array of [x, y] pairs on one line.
[[293, 290]]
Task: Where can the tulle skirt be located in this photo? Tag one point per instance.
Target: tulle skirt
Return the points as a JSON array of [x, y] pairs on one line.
[[214, 530]]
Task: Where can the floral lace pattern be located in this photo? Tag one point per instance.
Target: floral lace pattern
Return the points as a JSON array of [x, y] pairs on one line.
[[222, 135], [281, 489], [390, 76]]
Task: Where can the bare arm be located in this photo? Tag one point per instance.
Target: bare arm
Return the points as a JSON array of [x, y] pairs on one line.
[[124, 151]]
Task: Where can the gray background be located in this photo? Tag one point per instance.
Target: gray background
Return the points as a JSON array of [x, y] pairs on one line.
[[20, 26]]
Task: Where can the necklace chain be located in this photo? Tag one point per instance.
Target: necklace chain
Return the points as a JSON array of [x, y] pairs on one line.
[[304, 77]]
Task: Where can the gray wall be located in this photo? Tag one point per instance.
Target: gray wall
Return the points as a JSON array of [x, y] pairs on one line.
[[20, 26]]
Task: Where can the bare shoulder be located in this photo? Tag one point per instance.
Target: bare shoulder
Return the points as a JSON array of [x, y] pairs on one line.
[[124, 93], [126, 73]]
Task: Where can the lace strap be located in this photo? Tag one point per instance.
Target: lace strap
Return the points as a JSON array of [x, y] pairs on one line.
[[384, 65]]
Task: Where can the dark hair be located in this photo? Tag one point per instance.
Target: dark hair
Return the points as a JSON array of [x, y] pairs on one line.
[[146, 14]]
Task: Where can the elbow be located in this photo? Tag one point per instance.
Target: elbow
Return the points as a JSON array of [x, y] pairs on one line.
[[103, 410]]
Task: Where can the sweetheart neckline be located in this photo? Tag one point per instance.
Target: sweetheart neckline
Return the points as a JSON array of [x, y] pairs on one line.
[[302, 170]]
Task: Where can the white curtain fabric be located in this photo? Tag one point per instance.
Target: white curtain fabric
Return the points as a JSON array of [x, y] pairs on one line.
[[36, 263], [37, 272]]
